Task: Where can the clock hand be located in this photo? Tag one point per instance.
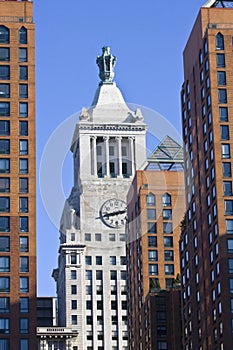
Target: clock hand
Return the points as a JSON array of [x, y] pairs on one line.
[[114, 213]]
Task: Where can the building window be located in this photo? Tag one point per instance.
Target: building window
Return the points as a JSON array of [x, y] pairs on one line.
[[23, 166], [168, 241], [222, 95], [73, 304], [221, 78], [167, 214], [4, 72], [74, 319], [88, 275], [220, 60], [23, 305], [224, 132], [23, 147], [226, 169], [169, 269], [230, 246], [4, 37], [23, 223], [4, 284], [227, 187], [23, 73], [228, 207], [23, 204], [73, 258], [23, 35], [150, 199], [230, 266], [152, 255], [98, 260], [23, 264], [223, 114], [73, 289], [23, 91], [23, 244], [99, 275], [87, 237], [4, 90], [225, 151], [219, 42], [4, 146], [24, 285], [113, 275], [23, 185], [23, 54], [23, 326], [4, 264], [151, 227], [153, 269], [112, 260], [23, 109], [4, 326], [168, 255], [229, 226], [162, 345], [88, 260], [4, 128], [166, 200], [152, 241], [23, 128], [167, 227], [73, 274], [4, 204], [4, 224], [5, 109], [98, 237], [4, 306], [23, 344], [4, 244], [122, 237], [4, 54], [123, 260], [112, 237], [151, 214]]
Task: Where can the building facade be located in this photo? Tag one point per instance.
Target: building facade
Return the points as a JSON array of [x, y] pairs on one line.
[[155, 205], [17, 177], [206, 242], [49, 335], [108, 145]]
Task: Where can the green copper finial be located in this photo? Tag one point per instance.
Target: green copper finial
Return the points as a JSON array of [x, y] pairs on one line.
[[106, 64]]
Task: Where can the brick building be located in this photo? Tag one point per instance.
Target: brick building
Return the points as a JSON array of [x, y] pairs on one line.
[[207, 239], [17, 177], [155, 208]]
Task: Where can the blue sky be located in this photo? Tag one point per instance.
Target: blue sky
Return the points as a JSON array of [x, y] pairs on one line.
[[148, 39]]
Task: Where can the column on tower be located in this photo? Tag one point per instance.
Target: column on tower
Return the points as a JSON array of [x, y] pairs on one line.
[[106, 143], [118, 139], [94, 157], [131, 142]]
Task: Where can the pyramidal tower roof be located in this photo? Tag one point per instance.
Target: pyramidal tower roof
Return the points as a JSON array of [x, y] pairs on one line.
[[109, 105], [168, 155], [219, 3]]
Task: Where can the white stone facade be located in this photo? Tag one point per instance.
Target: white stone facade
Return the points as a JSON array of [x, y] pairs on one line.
[[108, 146]]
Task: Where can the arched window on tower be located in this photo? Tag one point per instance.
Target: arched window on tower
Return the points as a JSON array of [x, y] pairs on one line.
[[219, 42], [166, 200], [4, 35], [150, 199], [23, 35]]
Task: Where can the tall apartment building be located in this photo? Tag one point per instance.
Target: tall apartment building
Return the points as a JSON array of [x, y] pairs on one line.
[[207, 240], [108, 145], [155, 208], [17, 177]]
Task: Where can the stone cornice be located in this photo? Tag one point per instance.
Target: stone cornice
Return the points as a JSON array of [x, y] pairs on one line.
[[115, 127]]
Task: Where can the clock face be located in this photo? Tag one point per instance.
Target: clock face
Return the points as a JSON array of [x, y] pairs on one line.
[[113, 213]]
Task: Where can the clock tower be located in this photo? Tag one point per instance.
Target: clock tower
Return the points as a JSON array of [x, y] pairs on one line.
[[108, 146]]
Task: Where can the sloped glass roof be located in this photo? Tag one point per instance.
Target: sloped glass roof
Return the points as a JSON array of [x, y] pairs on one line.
[[219, 3]]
